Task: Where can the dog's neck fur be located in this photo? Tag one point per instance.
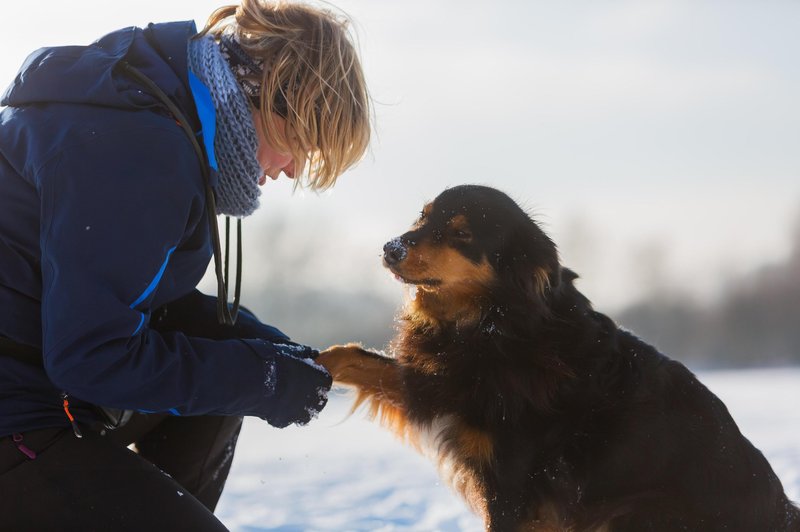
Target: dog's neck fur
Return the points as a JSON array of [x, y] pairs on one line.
[[438, 334], [435, 310]]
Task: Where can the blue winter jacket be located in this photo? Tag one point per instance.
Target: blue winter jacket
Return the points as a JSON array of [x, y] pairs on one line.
[[103, 221]]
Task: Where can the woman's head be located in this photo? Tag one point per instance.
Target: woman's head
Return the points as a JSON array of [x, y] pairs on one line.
[[310, 93]]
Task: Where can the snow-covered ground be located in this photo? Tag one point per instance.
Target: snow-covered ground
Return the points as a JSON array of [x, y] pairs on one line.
[[345, 474]]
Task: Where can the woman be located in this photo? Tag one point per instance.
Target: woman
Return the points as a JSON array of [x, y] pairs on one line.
[[115, 159]]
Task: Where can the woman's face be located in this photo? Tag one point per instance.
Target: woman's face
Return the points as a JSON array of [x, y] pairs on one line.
[[272, 161]]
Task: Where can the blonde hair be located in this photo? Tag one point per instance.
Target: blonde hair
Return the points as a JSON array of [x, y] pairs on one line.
[[310, 61]]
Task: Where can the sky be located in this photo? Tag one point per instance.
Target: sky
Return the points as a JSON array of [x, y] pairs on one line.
[[656, 142]]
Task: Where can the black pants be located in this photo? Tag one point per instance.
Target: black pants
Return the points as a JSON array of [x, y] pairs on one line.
[[172, 482]]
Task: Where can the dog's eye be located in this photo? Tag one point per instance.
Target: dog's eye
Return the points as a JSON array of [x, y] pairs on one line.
[[461, 234]]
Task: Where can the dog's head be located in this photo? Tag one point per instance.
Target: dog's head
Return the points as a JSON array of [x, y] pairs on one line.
[[473, 244]]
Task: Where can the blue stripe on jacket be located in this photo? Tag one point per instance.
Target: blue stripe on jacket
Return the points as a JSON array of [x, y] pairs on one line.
[[207, 116], [154, 283], [150, 288]]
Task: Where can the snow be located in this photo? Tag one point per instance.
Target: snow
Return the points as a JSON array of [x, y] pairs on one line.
[[343, 473]]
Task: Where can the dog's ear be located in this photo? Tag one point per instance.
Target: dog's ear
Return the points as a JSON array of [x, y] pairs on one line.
[[567, 276], [528, 263], [555, 275], [545, 280]]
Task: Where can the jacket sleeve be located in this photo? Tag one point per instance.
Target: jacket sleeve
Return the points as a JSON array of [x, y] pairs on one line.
[[196, 315], [114, 208]]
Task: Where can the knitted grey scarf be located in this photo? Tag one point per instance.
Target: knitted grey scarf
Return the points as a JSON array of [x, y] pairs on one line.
[[236, 141]]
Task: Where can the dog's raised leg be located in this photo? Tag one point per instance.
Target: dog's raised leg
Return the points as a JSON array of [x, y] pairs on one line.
[[374, 376], [378, 381]]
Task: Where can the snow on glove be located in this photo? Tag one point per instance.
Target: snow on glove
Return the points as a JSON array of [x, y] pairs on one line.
[[290, 348], [301, 386]]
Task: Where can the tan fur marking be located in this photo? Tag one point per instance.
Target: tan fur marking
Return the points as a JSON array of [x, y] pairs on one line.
[[541, 280], [474, 444], [462, 284], [453, 268], [459, 221], [426, 211], [463, 481], [547, 520], [445, 264], [378, 383], [373, 375]]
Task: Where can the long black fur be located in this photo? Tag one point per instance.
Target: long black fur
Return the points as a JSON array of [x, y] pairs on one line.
[[587, 421]]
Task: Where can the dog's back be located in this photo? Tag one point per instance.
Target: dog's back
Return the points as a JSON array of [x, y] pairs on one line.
[[609, 433], [673, 456]]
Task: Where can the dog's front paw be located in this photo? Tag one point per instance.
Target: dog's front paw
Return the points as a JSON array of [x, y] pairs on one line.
[[352, 364], [337, 358]]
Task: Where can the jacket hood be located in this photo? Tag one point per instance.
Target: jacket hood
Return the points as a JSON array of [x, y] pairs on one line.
[[88, 74]]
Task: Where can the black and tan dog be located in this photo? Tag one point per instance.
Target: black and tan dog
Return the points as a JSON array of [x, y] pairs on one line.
[[542, 412]]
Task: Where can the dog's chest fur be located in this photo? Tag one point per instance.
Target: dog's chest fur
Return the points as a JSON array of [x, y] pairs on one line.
[[486, 410]]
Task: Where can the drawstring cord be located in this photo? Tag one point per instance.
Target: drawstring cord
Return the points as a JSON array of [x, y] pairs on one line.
[[225, 314], [24, 449], [72, 421], [226, 277]]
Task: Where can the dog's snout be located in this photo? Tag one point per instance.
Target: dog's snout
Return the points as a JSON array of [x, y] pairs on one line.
[[394, 251]]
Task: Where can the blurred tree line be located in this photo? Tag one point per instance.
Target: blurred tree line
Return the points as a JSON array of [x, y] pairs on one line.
[[317, 286], [756, 322]]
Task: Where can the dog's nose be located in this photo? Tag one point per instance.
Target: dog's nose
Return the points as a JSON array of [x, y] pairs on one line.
[[394, 251]]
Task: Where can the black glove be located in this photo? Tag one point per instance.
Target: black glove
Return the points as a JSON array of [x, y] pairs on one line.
[[289, 348], [195, 314], [301, 386]]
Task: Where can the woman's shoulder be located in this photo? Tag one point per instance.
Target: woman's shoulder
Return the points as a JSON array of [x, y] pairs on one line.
[[39, 136]]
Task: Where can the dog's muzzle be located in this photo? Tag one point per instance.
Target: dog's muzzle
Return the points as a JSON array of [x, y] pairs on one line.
[[394, 251]]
